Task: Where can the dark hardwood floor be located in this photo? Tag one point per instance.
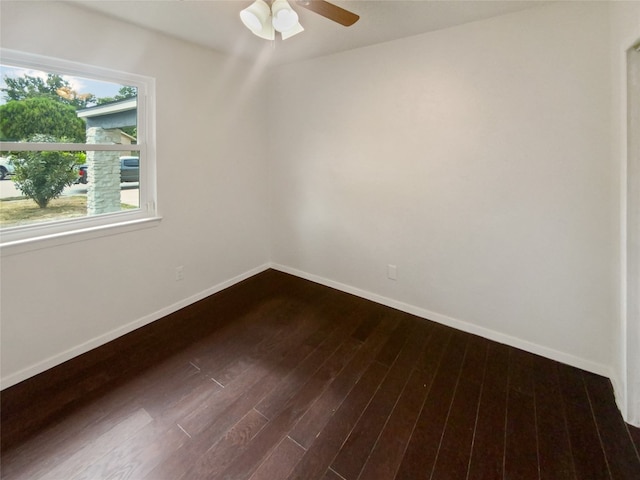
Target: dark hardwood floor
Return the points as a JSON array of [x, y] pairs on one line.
[[279, 378]]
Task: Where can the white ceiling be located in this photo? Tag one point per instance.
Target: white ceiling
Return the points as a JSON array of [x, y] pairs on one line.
[[216, 23]]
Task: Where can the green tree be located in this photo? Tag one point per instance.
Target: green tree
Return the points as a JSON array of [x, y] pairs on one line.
[[20, 88], [54, 87], [42, 176], [20, 119], [124, 93]]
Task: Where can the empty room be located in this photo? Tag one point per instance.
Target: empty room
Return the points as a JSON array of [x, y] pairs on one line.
[[342, 240]]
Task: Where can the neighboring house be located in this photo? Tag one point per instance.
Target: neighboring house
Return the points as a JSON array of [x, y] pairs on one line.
[[127, 139]]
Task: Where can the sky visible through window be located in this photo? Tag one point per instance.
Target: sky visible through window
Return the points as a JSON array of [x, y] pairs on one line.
[[80, 85]]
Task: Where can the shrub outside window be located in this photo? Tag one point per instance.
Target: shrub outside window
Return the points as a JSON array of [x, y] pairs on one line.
[[78, 146]]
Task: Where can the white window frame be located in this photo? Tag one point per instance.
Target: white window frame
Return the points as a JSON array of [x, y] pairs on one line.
[[28, 237]]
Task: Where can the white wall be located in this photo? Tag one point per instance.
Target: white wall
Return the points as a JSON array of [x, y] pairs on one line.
[[59, 302], [476, 159]]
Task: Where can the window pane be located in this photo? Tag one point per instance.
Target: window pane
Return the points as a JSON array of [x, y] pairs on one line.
[[82, 184], [96, 176]]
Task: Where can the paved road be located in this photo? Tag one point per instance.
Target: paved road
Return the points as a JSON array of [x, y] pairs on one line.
[[129, 192]]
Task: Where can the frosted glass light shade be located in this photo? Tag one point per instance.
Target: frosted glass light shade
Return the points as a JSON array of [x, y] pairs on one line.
[[297, 28], [256, 17], [284, 17]]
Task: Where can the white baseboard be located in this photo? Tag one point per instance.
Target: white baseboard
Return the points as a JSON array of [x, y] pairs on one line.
[[499, 337], [57, 359]]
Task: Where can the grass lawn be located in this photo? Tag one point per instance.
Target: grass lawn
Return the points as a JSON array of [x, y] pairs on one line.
[[24, 211]]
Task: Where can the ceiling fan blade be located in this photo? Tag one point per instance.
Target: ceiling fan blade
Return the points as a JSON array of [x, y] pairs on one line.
[[330, 11]]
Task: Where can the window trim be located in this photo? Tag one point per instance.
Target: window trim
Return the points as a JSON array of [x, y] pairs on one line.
[[42, 235]]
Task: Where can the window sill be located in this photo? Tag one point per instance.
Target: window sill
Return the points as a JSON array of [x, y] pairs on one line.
[[78, 235]]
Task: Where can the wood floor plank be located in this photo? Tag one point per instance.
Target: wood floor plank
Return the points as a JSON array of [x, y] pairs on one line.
[[357, 447], [290, 412], [271, 404], [422, 450], [62, 440], [280, 462], [635, 434], [191, 396], [387, 453], [261, 379], [588, 456], [294, 315], [521, 443], [167, 411], [182, 459], [622, 459], [222, 453], [396, 340], [137, 455], [230, 365], [455, 448], [521, 454], [97, 449], [215, 357], [233, 403], [314, 419], [554, 447], [366, 327], [318, 457], [521, 371], [331, 475], [39, 453], [487, 455]]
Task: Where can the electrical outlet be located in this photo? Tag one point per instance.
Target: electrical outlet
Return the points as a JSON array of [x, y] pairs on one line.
[[179, 273], [392, 272]]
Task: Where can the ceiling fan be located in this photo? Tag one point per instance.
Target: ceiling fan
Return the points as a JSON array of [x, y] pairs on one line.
[[264, 20], [330, 11]]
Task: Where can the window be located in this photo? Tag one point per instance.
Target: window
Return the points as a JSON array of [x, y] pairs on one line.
[[78, 150]]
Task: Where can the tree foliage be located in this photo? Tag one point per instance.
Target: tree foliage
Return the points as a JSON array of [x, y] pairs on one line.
[[123, 94], [54, 87], [42, 176], [21, 119]]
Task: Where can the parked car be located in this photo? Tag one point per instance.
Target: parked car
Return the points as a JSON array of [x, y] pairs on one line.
[[129, 170], [6, 167]]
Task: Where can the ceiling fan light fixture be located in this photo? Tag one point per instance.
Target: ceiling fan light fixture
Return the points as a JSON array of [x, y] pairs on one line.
[[285, 18], [256, 17], [296, 29], [264, 20]]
